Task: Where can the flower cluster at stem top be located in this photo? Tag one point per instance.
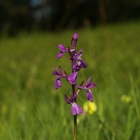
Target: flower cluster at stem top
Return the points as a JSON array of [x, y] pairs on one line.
[[77, 64]]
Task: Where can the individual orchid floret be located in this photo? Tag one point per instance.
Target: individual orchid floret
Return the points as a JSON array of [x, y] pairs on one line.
[[57, 83], [78, 57], [62, 51], [59, 74], [78, 63], [82, 64], [74, 40], [72, 78], [75, 109], [87, 87]]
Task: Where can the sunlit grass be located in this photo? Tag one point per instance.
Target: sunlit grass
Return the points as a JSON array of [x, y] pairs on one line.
[[30, 109]]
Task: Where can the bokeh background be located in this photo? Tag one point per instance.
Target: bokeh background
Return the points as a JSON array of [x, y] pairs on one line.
[[63, 14], [109, 33]]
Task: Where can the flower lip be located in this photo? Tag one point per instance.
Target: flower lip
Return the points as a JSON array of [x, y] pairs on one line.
[[75, 109]]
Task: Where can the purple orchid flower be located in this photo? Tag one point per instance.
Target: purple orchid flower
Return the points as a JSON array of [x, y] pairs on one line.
[[62, 49], [78, 63], [78, 57], [72, 78], [75, 109], [59, 74], [87, 87], [74, 40]]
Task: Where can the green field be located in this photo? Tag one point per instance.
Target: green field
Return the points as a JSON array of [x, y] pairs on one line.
[[30, 108]]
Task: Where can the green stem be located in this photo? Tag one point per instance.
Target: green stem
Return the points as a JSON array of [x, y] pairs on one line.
[[75, 117], [75, 127]]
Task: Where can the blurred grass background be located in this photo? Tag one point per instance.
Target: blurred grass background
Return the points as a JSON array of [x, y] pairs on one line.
[[30, 109]]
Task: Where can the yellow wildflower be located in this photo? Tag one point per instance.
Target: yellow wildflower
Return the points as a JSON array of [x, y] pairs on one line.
[[90, 107], [126, 99]]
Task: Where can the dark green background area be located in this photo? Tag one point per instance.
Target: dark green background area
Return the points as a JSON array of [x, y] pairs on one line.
[[54, 15]]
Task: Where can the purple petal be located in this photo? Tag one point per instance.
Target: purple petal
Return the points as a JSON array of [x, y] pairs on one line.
[[75, 109], [66, 99], [88, 81], [82, 87], [57, 83], [72, 78], [79, 54], [74, 64], [62, 48], [89, 95], [77, 68], [82, 64], [91, 85], [60, 54], [75, 36], [61, 71], [56, 73]]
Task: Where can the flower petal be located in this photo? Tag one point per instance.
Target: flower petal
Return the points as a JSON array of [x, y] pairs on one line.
[[79, 54], [89, 95], [72, 78], [88, 81], [57, 83], [82, 87], [62, 48], [82, 64], [91, 85], [60, 54], [75, 109]]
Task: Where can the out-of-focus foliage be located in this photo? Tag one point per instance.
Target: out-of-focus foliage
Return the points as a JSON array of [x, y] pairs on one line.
[[58, 14], [30, 108]]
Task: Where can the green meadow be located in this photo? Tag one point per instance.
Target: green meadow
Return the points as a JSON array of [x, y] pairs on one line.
[[30, 108]]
